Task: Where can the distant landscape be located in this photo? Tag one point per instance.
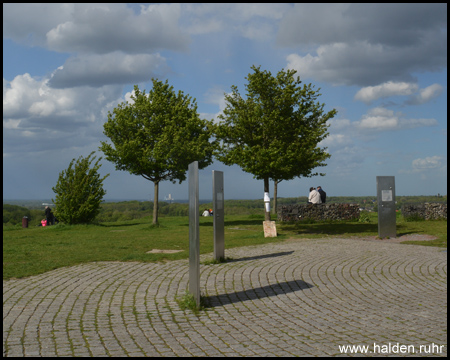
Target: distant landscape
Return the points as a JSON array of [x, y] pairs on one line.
[[123, 231], [125, 210]]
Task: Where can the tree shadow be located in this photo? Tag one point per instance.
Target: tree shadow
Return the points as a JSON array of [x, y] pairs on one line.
[[244, 222], [330, 228], [256, 294], [231, 223], [120, 225], [404, 233], [403, 230], [261, 256]]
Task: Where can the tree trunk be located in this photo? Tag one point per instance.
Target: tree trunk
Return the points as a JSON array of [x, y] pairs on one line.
[[266, 190], [275, 193], [155, 204]]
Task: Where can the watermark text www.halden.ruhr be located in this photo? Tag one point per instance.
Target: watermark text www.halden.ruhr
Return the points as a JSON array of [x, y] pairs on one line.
[[392, 348]]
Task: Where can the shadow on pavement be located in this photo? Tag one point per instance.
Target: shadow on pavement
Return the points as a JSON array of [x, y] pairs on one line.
[[261, 256], [255, 294]]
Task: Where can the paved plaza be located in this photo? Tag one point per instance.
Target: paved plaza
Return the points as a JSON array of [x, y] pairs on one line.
[[295, 298]]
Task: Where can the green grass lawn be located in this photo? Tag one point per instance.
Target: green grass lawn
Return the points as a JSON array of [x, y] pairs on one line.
[[436, 228], [36, 250]]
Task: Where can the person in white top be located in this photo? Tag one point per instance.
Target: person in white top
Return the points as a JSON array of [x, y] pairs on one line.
[[206, 212], [314, 196]]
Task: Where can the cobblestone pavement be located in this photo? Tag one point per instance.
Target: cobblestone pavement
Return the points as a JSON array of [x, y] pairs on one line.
[[296, 298]]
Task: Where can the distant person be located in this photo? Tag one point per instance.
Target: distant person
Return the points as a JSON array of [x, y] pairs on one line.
[[323, 194], [211, 212], [49, 216], [206, 212], [314, 196]]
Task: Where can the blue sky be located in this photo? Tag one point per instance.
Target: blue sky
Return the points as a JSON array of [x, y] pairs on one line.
[[383, 67]]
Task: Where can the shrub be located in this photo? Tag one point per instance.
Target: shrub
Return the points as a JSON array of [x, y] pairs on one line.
[[79, 191], [364, 217]]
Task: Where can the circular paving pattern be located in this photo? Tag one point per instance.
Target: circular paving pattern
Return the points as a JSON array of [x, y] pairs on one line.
[[296, 298]]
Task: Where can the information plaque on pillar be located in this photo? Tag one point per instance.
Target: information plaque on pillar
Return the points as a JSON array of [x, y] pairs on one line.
[[386, 207], [194, 239], [219, 215]]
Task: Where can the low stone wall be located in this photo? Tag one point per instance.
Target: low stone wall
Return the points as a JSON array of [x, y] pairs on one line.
[[325, 211], [427, 211]]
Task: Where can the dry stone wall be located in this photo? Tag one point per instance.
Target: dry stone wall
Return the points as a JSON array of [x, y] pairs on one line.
[[427, 211], [327, 211]]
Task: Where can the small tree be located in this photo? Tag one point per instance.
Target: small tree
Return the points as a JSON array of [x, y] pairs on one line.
[[273, 133], [79, 191], [158, 136]]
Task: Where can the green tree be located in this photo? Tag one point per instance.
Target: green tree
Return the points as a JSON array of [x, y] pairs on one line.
[[79, 191], [158, 136], [274, 132], [13, 214]]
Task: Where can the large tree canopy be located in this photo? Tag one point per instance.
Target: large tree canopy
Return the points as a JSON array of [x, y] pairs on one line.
[[158, 136], [274, 132]]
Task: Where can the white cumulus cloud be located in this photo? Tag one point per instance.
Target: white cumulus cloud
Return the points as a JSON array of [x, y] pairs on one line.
[[417, 96], [96, 28], [365, 44], [113, 68], [30, 22], [104, 28], [336, 141], [349, 63], [425, 95], [381, 119], [390, 88], [252, 21], [50, 117], [427, 163], [18, 94]]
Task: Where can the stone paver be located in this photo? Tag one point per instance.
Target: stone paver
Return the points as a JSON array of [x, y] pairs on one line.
[[297, 298]]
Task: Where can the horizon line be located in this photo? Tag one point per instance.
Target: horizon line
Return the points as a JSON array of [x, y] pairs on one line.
[[278, 197]]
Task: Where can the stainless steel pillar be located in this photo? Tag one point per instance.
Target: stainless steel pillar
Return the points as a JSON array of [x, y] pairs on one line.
[[194, 240], [386, 207], [219, 215]]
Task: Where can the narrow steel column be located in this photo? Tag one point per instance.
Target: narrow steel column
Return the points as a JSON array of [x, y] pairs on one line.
[[219, 215], [386, 206], [194, 240]]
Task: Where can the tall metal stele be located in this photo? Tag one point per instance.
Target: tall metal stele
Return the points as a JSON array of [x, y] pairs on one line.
[[219, 215], [386, 207], [194, 240]]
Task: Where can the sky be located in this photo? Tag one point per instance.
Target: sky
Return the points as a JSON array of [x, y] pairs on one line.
[[383, 67]]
